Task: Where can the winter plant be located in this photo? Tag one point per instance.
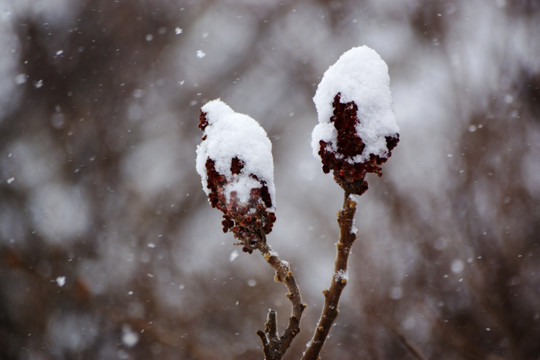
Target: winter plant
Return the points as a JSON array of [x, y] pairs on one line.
[[356, 133]]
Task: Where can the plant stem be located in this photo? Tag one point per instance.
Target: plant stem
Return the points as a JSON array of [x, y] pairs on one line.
[[339, 280], [274, 347]]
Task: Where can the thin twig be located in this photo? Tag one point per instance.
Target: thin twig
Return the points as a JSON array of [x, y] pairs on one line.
[[410, 346], [274, 347], [339, 280]]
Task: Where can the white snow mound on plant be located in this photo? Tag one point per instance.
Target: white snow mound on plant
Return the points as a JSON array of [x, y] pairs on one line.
[[359, 75], [228, 135]]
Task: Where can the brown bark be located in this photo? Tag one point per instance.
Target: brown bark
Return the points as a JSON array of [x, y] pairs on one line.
[[274, 346], [339, 279]]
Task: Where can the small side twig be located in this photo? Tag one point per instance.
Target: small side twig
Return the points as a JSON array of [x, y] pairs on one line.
[[339, 280], [274, 347]]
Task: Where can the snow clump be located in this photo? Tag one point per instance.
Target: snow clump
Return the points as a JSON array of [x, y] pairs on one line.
[[236, 167], [357, 127]]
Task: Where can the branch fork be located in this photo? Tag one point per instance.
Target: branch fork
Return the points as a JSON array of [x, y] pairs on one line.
[[275, 346], [235, 162]]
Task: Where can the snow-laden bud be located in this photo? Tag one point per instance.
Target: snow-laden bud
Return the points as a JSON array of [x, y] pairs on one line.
[[235, 162], [357, 127]]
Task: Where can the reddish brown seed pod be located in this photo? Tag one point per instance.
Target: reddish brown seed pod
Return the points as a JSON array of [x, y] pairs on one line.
[[235, 163]]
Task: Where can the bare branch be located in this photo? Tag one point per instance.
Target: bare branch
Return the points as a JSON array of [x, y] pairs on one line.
[[269, 337], [339, 280], [273, 347]]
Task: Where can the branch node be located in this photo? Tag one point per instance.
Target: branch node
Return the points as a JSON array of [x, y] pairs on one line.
[[274, 347]]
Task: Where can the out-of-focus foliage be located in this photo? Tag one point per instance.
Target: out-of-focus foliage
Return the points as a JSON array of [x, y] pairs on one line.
[[109, 249]]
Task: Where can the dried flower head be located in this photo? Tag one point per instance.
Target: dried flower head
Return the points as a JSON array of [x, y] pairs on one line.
[[357, 129], [235, 162]]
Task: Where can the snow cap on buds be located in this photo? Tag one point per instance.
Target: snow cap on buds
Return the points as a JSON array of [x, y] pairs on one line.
[[357, 127], [236, 166]]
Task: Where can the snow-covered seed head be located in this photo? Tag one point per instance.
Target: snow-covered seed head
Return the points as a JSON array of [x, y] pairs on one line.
[[235, 162], [357, 128]]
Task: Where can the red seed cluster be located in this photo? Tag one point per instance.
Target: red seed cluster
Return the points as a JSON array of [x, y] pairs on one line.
[[348, 174], [248, 222]]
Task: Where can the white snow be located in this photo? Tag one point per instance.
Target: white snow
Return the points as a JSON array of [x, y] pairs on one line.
[[61, 281], [20, 79], [178, 30], [359, 75], [129, 337], [457, 266], [228, 135], [234, 255], [340, 276], [200, 54]]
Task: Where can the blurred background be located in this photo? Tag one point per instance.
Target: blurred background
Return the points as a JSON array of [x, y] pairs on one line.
[[110, 250]]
